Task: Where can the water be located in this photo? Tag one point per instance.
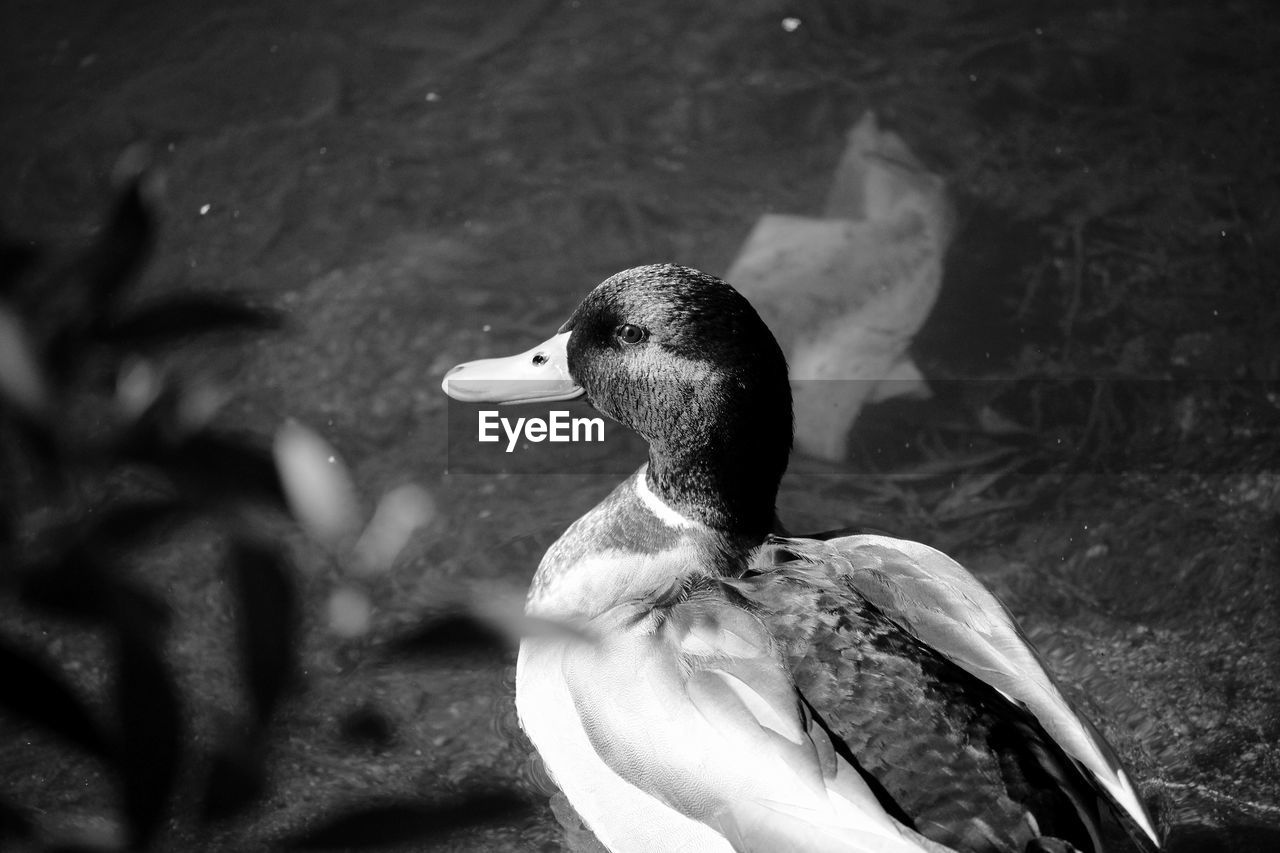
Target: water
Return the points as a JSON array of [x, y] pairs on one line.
[[420, 184]]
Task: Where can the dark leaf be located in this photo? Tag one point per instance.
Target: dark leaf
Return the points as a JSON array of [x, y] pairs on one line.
[[231, 467], [33, 690], [216, 467], [78, 300], [121, 250], [150, 734], [90, 591], [237, 780], [449, 635], [126, 525], [268, 622], [374, 826], [180, 317], [463, 634]]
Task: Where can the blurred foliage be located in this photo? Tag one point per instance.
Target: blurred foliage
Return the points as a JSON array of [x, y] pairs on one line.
[[107, 447], [86, 408]]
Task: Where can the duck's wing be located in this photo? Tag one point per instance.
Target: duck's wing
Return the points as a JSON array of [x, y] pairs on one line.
[[691, 703], [942, 605]]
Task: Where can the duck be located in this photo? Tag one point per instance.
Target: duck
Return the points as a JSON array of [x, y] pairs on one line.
[[728, 687]]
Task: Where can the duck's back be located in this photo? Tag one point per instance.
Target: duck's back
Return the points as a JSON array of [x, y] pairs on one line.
[[969, 738], [966, 768]]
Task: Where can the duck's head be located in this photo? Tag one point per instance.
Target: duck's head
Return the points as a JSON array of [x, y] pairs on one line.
[[684, 360]]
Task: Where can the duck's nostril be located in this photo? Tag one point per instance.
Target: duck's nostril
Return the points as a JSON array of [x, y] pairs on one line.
[[540, 358]]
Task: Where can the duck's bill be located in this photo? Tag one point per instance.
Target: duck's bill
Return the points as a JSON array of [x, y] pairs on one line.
[[540, 375]]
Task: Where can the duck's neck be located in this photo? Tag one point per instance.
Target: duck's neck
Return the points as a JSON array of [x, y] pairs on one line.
[[727, 481]]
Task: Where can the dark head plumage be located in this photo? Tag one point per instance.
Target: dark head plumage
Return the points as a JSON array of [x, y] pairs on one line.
[[704, 382]]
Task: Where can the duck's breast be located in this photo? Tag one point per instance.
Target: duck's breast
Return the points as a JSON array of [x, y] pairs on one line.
[[679, 728], [622, 816]]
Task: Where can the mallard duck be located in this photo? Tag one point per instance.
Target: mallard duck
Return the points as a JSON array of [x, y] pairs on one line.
[[754, 692]]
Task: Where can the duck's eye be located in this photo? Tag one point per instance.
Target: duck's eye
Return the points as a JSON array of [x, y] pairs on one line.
[[630, 334]]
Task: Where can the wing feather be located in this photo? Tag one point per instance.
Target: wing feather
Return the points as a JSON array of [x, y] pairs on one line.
[[940, 603], [735, 747]]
